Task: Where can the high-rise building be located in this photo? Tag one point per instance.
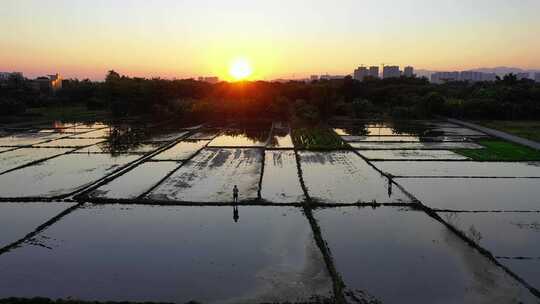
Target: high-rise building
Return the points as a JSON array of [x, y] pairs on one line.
[[442, 77], [408, 71], [470, 76], [537, 77], [314, 77], [361, 73], [4, 76], [391, 71], [374, 72]]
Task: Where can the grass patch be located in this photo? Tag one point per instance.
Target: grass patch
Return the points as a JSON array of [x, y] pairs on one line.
[[498, 150], [317, 138], [525, 129]]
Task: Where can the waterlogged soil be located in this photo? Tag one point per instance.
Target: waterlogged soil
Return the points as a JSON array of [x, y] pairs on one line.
[[280, 183], [19, 219], [61, 175], [101, 133], [165, 135], [345, 178], [211, 175], [411, 155], [182, 151], [414, 145], [399, 256], [475, 194], [171, 254], [16, 158], [453, 168], [135, 182], [527, 269], [70, 142], [507, 234], [28, 138]]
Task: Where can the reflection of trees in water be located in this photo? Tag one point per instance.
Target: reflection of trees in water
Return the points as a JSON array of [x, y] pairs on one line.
[[124, 138], [256, 135], [277, 133], [425, 133], [406, 128], [488, 283], [357, 130]]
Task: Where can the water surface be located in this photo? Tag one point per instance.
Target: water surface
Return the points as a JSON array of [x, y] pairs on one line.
[[175, 254], [400, 256], [345, 178], [280, 183], [61, 175], [211, 175], [19, 219], [137, 181], [475, 194]]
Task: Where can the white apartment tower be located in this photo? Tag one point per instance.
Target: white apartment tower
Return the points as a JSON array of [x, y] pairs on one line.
[[361, 73], [391, 71], [374, 71], [408, 71]]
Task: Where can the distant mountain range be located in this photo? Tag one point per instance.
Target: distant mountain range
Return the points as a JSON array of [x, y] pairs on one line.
[[500, 71]]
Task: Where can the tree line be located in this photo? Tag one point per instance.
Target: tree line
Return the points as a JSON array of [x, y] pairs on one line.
[[400, 98]]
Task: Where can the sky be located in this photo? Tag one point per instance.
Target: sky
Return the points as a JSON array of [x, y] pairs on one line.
[[279, 38]]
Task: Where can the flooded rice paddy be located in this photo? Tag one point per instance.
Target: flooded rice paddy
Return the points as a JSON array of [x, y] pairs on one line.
[[137, 211]]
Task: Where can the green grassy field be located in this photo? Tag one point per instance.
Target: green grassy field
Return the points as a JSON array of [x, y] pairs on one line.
[[525, 129], [498, 150], [317, 138]]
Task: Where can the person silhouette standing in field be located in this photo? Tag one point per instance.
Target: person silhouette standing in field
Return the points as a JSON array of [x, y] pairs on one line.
[[235, 194]]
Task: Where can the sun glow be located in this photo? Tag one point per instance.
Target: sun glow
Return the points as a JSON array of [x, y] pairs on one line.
[[240, 69]]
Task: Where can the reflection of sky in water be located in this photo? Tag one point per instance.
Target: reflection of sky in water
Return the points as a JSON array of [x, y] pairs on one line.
[[12, 159], [19, 219], [453, 168], [403, 256], [529, 270], [478, 194], [60, 175], [503, 234], [269, 255]]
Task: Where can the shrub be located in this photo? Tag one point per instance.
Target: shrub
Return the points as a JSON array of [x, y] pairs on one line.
[[10, 106]]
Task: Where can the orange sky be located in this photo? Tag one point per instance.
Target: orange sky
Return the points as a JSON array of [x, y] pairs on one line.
[[293, 38]]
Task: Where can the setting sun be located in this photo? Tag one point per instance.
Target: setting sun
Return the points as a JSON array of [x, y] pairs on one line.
[[240, 69]]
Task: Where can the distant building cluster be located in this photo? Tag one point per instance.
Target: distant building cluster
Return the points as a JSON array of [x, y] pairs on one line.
[[211, 79], [389, 71], [50, 83], [331, 77], [537, 77], [470, 76], [5, 76], [44, 84]]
